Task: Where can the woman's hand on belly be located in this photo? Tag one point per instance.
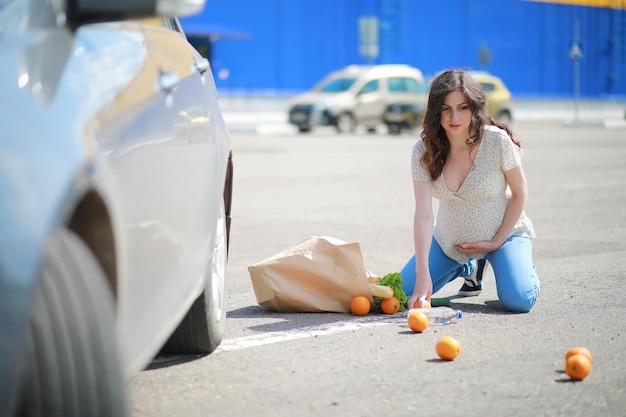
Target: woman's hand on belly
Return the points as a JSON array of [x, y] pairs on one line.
[[477, 247]]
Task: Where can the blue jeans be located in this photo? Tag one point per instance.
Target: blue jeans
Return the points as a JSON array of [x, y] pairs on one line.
[[516, 277]]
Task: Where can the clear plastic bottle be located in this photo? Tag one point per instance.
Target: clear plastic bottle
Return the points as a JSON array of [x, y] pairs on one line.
[[438, 315]]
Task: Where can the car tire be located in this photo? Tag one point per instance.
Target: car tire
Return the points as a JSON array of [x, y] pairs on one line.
[[202, 328], [71, 365], [504, 117], [304, 129], [345, 123], [394, 129]]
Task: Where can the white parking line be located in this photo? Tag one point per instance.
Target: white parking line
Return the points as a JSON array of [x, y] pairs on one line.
[[310, 331]]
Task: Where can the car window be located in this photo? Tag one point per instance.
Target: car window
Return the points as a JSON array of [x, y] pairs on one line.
[[370, 87], [337, 85], [405, 85], [488, 87]]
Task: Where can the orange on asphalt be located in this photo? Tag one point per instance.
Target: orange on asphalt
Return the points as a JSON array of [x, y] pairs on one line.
[[448, 348], [418, 321], [390, 305], [578, 350], [577, 366], [360, 305]]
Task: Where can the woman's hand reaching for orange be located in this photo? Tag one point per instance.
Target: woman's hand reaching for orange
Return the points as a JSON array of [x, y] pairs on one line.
[[422, 291]]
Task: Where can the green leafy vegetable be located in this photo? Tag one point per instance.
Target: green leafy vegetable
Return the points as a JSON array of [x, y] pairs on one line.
[[393, 280]]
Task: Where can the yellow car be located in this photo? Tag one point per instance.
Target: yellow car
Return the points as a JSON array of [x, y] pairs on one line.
[[499, 105], [499, 99]]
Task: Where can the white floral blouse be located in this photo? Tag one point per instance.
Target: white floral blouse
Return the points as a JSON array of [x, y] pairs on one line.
[[475, 212]]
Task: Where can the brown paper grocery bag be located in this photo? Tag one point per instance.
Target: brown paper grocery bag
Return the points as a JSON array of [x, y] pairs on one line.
[[319, 274]]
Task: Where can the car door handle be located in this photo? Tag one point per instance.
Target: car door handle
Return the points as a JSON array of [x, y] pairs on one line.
[[202, 65], [168, 80]]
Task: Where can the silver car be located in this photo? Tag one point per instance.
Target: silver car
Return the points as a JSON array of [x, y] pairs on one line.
[[358, 95], [115, 185]]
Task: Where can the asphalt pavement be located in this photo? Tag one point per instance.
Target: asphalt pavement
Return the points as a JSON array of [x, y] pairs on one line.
[[357, 188]]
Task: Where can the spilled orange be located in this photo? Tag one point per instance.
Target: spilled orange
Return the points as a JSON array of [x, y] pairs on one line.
[[578, 350], [425, 304], [360, 305], [448, 348], [390, 305], [418, 321], [578, 366]]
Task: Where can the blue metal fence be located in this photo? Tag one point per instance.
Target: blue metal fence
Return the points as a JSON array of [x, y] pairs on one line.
[[288, 45]]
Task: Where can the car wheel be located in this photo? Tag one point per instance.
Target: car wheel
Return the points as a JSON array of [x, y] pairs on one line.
[[371, 129], [345, 123], [304, 129], [504, 117], [71, 365], [203, 326], [394, 128]]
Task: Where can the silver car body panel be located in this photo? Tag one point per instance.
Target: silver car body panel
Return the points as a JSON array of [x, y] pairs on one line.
[[147, 140]]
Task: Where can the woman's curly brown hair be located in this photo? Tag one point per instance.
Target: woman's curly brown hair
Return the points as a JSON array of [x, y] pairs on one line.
[[434, 135]]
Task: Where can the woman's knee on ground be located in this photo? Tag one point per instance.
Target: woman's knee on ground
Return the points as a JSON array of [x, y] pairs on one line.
[[519, 301]]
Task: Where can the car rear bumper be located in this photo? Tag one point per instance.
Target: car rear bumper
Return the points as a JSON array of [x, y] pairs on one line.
[[405, 115], [309, 115]]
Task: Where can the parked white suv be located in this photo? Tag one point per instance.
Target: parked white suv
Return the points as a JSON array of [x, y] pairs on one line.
[[358, 95]]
